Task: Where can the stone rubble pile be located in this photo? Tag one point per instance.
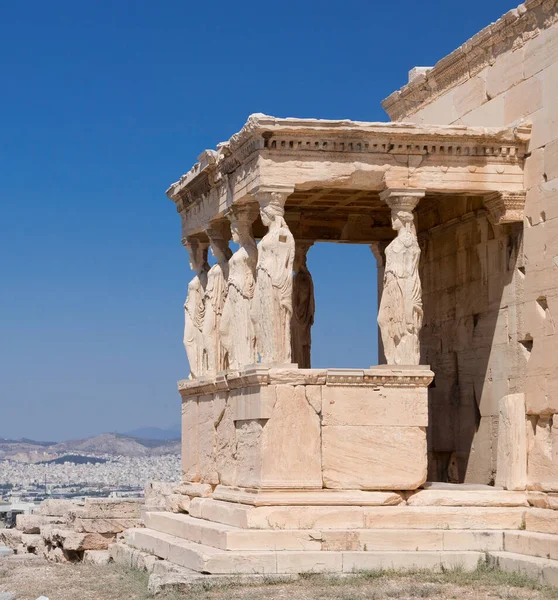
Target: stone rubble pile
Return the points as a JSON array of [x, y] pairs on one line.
[[69, 531]]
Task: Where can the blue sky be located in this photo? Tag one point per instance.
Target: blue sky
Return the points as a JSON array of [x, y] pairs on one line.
[[103, 105]]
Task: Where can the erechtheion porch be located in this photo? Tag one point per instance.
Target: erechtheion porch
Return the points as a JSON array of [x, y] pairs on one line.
[[288, 468], [449, 192]]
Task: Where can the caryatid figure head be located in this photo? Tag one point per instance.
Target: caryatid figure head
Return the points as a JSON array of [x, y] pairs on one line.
[[301, 250], [197, 254], [402, 218], [241, 218], [402, 203], [272, 207], [219, 243]]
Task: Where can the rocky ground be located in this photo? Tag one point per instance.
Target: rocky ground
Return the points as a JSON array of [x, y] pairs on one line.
[[30, 578]]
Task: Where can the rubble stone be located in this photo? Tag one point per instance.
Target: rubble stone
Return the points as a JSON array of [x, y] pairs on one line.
[[96, 557], [33, 523], [105, 526], [109, 508], [57, 507]]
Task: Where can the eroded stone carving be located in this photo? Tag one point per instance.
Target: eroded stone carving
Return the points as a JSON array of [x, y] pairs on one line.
[[215, 295], [236, 329], [303, 307], [506, 207], [272, 305], [400, 314], [194, 306]]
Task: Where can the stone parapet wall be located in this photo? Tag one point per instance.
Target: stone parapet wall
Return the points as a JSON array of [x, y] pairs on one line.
[[288, 428]]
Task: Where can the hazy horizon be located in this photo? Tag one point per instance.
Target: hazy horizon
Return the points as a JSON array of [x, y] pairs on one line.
[[139, 433]]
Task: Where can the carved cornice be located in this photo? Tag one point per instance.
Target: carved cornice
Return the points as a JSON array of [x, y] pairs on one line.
[[202, 386], [383, 375], [506, 207], [345, 377], [311, 139], [249, 378], [405, 379], [509, 33]]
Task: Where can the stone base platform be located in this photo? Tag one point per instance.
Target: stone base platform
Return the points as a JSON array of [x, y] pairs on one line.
[[436, 528], [292, 429], [430, 528], [287, 558]]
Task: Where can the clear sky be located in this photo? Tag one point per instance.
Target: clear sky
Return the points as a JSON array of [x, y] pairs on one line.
[[103, 105]]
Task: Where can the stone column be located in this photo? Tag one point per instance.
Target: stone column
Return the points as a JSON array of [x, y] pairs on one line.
[[272, 305], [236, 329], [379, 251], [304, 307], [215, 296], [194, 306], [400, 313]]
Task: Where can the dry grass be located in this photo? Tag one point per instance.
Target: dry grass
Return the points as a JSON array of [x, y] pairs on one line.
[[33, 577]]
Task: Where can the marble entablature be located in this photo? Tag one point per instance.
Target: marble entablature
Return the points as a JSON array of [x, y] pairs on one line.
[[294, 155]]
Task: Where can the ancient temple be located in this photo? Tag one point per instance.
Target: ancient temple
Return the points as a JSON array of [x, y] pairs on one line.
[[289, 467]]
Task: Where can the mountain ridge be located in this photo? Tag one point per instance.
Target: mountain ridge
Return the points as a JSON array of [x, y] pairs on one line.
[[112, 444]]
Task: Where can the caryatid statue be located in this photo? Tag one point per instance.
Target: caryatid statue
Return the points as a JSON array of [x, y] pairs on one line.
[[194, 306], [236, 329], [272, 305], [303, 307], [215, 295], [400, 314]]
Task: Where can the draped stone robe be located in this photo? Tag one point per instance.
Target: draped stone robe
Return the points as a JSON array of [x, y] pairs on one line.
[[215, 296], [400, 313], [194, 309], [237, 331], [272, 306], [303, 317]]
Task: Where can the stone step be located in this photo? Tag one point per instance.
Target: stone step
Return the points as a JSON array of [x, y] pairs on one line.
[[409, 540], [466, 497], [542, 545], [227, 537], [199, 557], [542, 520], [433, 495], [206, 559], [357, 517], [321, 497], [542, 570]]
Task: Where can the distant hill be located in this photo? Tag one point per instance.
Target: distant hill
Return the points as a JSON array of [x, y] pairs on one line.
[[155, 433], [29, 450], [24, 442], [113, 444], [117, 444]]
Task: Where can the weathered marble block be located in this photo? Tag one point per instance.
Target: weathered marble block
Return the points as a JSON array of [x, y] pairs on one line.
[[374, 457], [307, 429]]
